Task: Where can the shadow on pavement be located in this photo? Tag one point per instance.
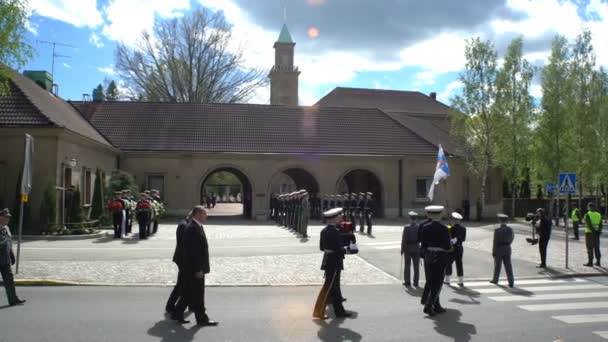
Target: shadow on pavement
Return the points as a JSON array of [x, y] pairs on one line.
[[413, 291], [466, 292], [4, 307], [104, 239], [449, 324], [332, 331], [169, 330]]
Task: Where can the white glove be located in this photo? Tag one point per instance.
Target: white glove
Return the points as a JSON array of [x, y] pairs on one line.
[[453, 241]]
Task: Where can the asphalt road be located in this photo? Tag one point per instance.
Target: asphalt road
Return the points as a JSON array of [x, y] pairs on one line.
[[383, 313]]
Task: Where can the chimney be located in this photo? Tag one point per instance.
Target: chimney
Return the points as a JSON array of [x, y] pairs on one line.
[[433, 95], [42, 78]]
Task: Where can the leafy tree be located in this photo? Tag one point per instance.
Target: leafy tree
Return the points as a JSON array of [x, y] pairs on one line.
[[514, 108], [552, 140], [98, 94], [121, 180], [97, 205], [188, 59], [474, 121], [112, 93], [14, 49]]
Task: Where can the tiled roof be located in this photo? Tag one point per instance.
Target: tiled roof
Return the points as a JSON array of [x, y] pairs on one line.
[[245, 128], [391, 100], [28, 105]]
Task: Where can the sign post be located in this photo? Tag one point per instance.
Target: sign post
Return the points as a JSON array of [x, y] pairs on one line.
[[26, 186], [567, 186]]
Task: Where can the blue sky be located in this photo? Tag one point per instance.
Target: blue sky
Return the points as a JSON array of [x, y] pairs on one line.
[[389, 44]]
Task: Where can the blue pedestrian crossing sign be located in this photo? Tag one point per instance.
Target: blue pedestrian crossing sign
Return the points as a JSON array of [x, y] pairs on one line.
[[567, 183], [550, 187]]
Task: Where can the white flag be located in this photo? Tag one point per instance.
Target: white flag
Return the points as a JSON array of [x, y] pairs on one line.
[[441, 171]]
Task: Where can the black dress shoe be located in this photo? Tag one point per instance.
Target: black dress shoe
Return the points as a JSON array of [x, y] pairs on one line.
[[343, 299], [407, 284], [179, 319], [429, 310], [494, 282], [598, 264], [17, 302], [208, 323], [439, 309], [541, 266], [345, 314]]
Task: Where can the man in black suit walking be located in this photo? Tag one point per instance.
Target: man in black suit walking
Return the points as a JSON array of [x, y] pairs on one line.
[[195, 251], [178, 260]]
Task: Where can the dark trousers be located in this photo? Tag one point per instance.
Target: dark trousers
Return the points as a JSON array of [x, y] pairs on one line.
[[9, 283], [543, 242], [506, 260], [332, 281], [128, 222], [117, 221], [176, 293], [575, 229], [592, 241], [427, 282], [155, 227], [143, 220], [412, 259], [361, 223], [435, 264], [456, 256], [193, 296], [368, 220]]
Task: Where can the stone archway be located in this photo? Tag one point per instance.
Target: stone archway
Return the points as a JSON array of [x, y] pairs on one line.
[[229, 191], [291, 179], [362, 180]]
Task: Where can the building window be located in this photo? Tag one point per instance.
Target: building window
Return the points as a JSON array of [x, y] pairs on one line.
[[157, 182], [86, 187], [423, 184]]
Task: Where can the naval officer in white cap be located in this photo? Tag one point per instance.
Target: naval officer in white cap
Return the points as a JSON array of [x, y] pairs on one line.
[[410, 250], [458, 233], [333, 261], [435, 244]]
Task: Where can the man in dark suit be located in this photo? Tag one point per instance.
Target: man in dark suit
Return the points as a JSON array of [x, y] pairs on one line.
[[543, 228], [501, 250], [410, 249], [194, 267], [7, 259], [178, 260]]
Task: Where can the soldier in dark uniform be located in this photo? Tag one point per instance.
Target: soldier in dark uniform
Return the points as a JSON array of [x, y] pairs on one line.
[[410, 250], [501, 250], [332, 201], [369, 209], [353, 209], [305, 205], [435, 243], [117, 208], [159, 202], [333, 259], [273, 207], [143, 213], [325, 203], [280, 213], [458, 234], [361, 211]]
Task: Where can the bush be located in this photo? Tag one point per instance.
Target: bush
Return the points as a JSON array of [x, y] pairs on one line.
[[48, 207], [76, 213], [97, 206]]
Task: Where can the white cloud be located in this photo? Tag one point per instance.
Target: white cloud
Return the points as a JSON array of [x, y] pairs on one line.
[[66, 65], [127, 19], [440, 54], [95, 40], [425, 78], [80, 13], [536, 91], [109, 70], [449, 91], [32, 27]]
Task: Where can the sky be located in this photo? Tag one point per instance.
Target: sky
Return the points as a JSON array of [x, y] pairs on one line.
[[381, 44]]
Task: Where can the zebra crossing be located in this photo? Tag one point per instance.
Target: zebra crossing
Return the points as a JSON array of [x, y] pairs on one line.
[[571, 301]]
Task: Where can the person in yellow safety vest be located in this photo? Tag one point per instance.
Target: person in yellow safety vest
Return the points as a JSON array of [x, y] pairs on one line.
[[593, 229], [575, 217]]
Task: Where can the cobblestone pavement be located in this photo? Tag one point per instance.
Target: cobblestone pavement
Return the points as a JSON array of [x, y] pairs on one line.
[[556, 254], [300, 269]]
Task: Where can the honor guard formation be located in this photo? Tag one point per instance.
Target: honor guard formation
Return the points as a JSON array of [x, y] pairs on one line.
[[293, 210], [147, 211]]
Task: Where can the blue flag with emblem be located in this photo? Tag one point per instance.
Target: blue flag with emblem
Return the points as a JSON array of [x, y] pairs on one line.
[[442, 171]]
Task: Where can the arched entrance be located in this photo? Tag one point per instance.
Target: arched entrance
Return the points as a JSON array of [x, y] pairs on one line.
[[293, 179], [360, 180], [230, 190]]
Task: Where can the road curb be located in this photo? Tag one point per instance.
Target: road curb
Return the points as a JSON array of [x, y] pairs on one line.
[[54, 282], [64, 237]]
